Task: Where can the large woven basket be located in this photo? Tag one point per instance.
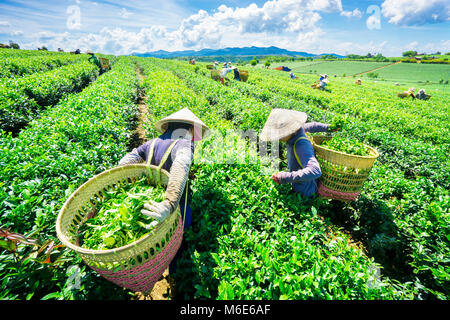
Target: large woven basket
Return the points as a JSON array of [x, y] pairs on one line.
[[215, 74], [136, 266], [343, 175], [243, 75], [209, 66], [104, 62]]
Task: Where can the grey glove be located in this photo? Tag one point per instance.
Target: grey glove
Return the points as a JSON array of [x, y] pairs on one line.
[[175, 188], [159, 211]]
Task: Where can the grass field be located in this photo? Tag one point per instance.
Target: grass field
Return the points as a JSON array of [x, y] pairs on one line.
[[415, 72], [339, 68], [427, 76]]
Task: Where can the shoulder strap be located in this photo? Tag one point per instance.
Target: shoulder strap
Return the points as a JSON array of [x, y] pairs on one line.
[[166, 155], [150, 153], [295, 151], [163, 160]]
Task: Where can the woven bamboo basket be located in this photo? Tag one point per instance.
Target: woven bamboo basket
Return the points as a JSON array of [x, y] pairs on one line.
[[209, 66], [138, 265], [105, 63], [343, 175], [243, 74], [215, 74]]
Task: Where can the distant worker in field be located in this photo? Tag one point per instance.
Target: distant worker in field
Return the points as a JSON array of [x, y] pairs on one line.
[[359, 81], [176, 145], [422, 95], [236, 74], [323, 82], [405, 94], [224, 72], [290, 126], [292, 75], [215, 65], [93, 58]]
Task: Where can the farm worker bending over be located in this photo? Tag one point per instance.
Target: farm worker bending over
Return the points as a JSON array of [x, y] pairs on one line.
[[236, 74], [358, 81], [323, 81], [292, 75], [179, 131], [93, 58], [422, 95], [290, 126], [405, 94], [224, 72]]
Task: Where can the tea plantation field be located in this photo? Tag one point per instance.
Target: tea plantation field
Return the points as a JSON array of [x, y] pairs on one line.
[[250, 238]]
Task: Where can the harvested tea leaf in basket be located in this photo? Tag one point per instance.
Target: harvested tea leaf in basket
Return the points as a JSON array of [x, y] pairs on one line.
[[346, 145], [118, 220]]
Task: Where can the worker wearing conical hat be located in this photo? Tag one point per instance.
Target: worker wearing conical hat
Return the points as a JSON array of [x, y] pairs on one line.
[[290, 126], [409, 93], [422, 95], [179, 131], [93, 58]]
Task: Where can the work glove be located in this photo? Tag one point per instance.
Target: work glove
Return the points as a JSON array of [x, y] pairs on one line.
[[157, 210]]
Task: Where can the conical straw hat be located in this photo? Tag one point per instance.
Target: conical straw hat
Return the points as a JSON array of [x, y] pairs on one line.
[[184, 116], [282, 123]]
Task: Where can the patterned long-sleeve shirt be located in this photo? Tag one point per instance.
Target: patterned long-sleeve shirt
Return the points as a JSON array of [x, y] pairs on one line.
[[141, 154], [303, 176]]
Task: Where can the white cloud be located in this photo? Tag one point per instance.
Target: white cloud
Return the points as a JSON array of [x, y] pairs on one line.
[[275, 19], [416, 12], [355, 13], [290, 24], [17, 33], [430, 47], [5, 24]]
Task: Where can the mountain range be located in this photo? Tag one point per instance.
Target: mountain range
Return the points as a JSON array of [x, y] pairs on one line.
[[245, 51]]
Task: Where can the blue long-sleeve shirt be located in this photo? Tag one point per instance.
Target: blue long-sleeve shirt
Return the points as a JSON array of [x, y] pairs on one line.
[[303, 176]]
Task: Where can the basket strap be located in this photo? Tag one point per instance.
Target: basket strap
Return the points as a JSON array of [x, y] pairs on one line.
[[295, 151], [163, 160], [149, 158], [185, 202]]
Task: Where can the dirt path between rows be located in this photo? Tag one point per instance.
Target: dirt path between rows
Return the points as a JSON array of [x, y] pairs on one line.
[[143, 110], [358, 74], [164, 288]]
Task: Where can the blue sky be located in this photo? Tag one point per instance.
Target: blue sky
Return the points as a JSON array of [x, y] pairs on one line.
[[317, 26]]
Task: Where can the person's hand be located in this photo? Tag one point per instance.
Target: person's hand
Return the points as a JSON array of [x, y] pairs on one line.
[[337, 124], [157, 210], [276, 178]]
